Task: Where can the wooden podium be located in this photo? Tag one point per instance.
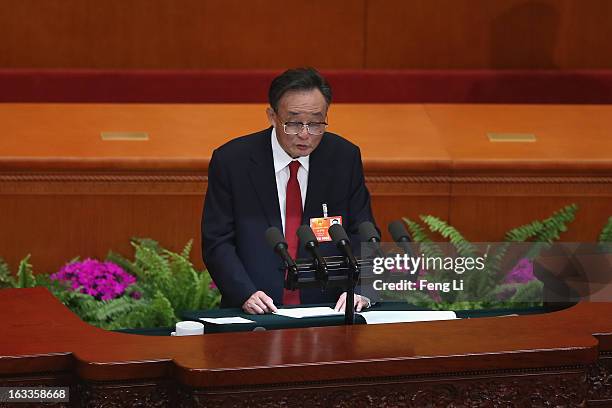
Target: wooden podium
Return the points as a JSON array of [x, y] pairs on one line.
[[554, 359]]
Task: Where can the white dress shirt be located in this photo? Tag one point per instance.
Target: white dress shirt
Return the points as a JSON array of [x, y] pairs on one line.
[[281, 170]]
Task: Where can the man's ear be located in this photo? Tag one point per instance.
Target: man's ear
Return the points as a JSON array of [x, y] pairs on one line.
[[271, 116]]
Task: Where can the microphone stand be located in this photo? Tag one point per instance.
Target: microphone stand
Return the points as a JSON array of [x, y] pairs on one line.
[[351, 280], [291, 282], [344, 274]]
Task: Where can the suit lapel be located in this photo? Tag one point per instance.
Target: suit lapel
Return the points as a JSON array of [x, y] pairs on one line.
[[319, 179], [264, 180]]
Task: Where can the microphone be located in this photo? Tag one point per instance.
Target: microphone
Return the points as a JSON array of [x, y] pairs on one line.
[[401, 236], [277, 241], [308, 239], [369, 234], [338, 235]]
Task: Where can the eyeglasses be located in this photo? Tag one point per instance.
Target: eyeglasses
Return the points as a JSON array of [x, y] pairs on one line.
[[313, 128]]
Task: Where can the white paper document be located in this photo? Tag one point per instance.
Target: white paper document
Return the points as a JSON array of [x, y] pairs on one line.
[[300, 312], [405, 316], [226, 320]]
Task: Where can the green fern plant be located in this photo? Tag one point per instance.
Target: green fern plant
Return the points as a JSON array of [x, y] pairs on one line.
[[155, 313], [6, 279], [25, 277], [171, 274], [463, 247], [486, 285], [167, 282], [606, 232]]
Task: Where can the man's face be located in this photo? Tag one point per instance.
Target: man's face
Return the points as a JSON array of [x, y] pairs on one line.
[[303, 107]]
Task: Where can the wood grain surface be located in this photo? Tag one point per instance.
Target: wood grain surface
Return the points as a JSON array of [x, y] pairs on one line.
[[512, 361], [293, 355], [388, 34]]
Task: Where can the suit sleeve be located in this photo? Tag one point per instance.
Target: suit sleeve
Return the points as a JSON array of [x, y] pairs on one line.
[[360, 208], [218, 236]]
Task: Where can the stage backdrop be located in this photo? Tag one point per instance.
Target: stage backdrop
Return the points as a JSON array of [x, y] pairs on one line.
[[256, 34]]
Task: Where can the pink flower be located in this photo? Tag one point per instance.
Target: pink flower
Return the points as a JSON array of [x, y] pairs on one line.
[[102, 280], [522, 272]]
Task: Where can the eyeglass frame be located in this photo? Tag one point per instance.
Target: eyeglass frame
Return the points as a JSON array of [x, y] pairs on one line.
[[305, 125]]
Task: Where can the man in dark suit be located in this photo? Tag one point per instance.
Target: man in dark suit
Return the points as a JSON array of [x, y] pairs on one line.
[[283, 176]]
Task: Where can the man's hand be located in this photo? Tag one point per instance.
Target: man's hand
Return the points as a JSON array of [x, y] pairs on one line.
[[361, 302], [259, 303]]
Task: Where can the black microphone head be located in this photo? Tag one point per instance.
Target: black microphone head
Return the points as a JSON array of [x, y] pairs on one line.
[[338, 234], [306, 236], [274, 237], [398, 231], [368, 232]]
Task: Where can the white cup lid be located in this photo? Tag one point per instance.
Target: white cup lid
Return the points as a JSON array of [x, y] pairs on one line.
[[189, 328]]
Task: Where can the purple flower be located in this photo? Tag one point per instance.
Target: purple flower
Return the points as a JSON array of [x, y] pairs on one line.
[[522, 272], [102, 280]]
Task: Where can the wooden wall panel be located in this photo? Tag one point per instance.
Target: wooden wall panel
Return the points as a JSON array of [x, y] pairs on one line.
[[485, 212], [394, 197], [281, 34], [187, 34], [58, 220], [427, 34], [389, 34], [58, 226], [501, 34], [587, 27]]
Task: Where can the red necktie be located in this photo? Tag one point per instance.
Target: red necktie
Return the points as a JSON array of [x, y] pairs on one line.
[[293, 220]]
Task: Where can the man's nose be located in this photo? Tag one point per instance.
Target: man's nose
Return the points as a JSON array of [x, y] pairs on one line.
[[303, 133]]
